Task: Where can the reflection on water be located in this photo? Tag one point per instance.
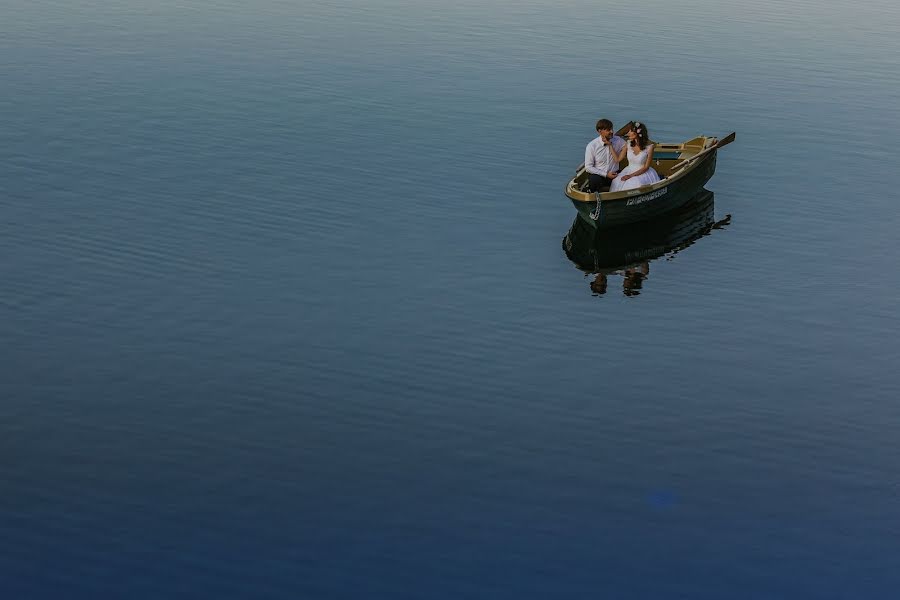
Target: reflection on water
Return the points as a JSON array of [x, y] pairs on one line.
[[628, 251]]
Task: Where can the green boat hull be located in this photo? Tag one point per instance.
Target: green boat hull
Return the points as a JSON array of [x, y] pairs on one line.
[[649, 205]]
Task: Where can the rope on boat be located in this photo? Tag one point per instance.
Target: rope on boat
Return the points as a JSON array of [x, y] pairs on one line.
[[595, 215]]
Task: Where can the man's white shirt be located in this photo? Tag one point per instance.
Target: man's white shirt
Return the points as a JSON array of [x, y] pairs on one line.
[[598, 159]]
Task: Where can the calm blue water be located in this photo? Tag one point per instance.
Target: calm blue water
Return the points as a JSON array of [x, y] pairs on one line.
[[285, 312]]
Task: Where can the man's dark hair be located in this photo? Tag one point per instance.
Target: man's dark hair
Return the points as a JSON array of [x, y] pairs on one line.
[[604, 124]]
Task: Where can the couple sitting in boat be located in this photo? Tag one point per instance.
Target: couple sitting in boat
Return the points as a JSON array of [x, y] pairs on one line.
[[603, 155]]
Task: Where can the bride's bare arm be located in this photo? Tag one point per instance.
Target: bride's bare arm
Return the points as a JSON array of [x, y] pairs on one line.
[[618, 155]]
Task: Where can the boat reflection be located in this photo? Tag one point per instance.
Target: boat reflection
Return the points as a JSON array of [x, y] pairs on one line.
[[628, 251]]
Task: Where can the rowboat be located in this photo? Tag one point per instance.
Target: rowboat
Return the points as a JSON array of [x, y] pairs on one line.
[[627, 247], [684, 169]]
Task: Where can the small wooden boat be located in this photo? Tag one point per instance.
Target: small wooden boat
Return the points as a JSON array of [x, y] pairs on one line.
[[684, 169]]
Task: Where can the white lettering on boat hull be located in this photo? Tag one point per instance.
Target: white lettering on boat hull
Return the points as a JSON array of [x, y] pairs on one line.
[[647, 197]]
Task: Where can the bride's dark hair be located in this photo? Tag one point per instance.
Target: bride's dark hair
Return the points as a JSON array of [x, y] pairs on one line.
[[643, 137]]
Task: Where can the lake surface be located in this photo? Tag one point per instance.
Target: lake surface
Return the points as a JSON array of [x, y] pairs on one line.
[[286, 311]]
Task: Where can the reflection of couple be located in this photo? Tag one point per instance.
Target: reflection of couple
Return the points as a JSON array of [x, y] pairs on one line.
[[632, 279], [603, 155]]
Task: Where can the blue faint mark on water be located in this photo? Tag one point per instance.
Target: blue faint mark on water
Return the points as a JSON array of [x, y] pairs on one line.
[[663, 499]]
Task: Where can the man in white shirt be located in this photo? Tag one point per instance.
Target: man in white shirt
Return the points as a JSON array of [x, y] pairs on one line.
[[599, 162]]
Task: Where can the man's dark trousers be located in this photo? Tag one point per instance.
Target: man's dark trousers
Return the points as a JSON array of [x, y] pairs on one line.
[[598, 183]]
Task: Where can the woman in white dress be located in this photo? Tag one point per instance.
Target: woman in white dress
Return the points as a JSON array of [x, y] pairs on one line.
[[640, 153]]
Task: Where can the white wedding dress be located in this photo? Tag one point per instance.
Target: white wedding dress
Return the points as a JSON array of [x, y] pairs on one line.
[[635, 162]]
